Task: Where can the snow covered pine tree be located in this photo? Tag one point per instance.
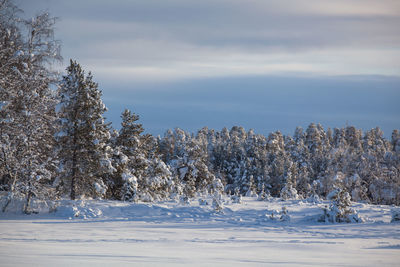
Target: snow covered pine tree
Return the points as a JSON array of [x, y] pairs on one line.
[[83, 137]]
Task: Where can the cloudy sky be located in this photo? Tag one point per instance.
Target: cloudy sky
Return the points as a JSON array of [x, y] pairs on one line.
[[262, 64]]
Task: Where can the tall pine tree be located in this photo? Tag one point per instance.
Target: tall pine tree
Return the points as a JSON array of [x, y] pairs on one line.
[[83, 137]]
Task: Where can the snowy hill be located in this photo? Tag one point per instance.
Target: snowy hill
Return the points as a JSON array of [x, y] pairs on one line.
[[93, 233]]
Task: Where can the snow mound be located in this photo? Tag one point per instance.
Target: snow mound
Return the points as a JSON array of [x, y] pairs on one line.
[[78, 209], [250, 212]]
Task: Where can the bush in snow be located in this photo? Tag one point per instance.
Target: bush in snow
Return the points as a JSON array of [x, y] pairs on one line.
[[263, 195], [185, 200], [315, 199], [216, 189], [282, 215], [217, 203], [203, 202], [236, 198], [289, 192], [395, 215], [274, 215], [339, 210]]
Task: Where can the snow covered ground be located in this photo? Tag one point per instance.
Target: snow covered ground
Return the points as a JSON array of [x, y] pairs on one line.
[[105, 233]]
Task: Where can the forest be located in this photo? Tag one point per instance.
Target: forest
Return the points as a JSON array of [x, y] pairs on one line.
[[55, 142]]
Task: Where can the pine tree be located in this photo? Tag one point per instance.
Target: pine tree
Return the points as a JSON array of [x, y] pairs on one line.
[[396, 141], [340, 208], [126, 142], [83, 136], [150, 178], [188, 160]]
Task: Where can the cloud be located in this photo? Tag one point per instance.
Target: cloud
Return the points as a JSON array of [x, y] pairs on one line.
[[179, 39], [263, 64]]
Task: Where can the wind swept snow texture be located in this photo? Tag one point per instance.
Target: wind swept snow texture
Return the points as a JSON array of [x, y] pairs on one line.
[[105, 233]]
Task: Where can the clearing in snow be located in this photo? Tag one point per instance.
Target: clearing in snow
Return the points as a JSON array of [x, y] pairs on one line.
[[96, 233]]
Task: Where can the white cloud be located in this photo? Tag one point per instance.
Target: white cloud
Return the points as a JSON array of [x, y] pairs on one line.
[[158, 40]]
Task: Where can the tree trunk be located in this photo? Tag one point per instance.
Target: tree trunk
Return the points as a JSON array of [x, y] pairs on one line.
[[7, 203], [74, 163], [28, 203], [73, 179]]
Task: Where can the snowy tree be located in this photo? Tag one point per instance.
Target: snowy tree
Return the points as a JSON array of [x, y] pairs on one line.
[[157, 183], [129, 135], [340, 208], [396, 141], [83, 137], [188, 160], [279, 162], [153, 179], [282, 215], [288, 192], [128, 159], [236, 197], [216, 190], [27, 103], [263, 195], [300, 156], [285, 217], [318, 145], [123, 185]]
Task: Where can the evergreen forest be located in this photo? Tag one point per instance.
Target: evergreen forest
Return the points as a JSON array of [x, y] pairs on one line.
[[55, 142]]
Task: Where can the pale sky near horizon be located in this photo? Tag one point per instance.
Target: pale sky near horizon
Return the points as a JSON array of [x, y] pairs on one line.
[[262, 64]]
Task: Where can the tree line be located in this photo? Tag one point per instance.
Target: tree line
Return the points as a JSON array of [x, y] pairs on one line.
[[55, 143]]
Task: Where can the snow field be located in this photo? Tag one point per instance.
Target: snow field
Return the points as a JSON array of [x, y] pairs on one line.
[[105, 233]]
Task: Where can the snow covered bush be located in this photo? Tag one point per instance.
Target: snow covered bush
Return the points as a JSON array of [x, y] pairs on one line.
[[282, 215], [216, 189], [289, 192], [285, 217], [217, 203], [274, 215], [340, 209], [203, 202], [263, 195], [395, 215], [314, 199], [236, 197]]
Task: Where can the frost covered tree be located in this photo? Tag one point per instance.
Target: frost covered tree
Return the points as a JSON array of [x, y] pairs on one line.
[[27, 109], [124, 184], [340, 208], [289, 190], [83, 137], [279, 162], [216, 190], [318, 145], [308, 163], [158, 183], [396, 141], [142, 174], [188, 161], [126, 158]]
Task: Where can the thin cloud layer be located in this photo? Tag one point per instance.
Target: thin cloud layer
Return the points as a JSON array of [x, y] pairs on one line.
[[262, 64], [180, 39]]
